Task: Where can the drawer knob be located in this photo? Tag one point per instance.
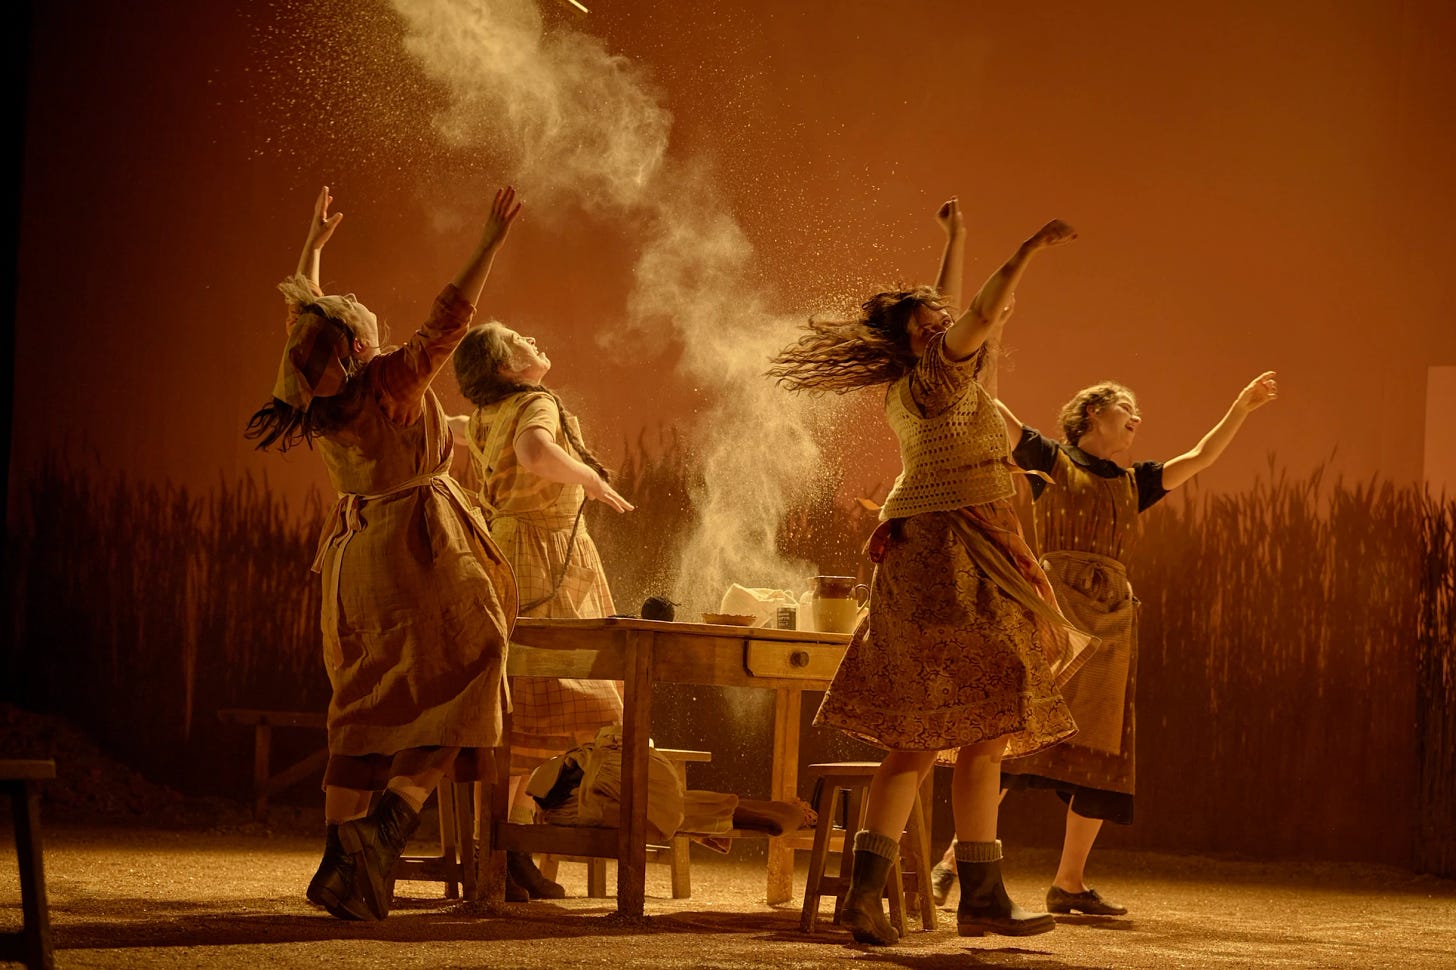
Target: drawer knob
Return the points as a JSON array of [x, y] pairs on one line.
[[799, 658]]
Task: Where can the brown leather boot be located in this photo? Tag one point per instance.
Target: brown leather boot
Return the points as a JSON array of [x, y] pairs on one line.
[[522, 870], [376, 842], [864, 911], [985, 907]]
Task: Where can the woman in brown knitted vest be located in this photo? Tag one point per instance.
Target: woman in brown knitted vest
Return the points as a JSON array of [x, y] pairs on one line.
[[960, 654]]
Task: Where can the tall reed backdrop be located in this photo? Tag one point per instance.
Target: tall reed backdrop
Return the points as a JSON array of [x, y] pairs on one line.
[[1297, 684]]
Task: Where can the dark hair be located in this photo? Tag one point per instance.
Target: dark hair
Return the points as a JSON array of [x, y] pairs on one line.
[[846, 355], [280, 423], [479, 363]]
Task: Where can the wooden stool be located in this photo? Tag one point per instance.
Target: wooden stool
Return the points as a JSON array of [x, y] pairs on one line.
[[674, 854], [32, 944], [455, 865], [906, 889]]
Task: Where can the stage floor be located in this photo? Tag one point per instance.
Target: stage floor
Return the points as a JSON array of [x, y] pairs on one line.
[[129, 897]]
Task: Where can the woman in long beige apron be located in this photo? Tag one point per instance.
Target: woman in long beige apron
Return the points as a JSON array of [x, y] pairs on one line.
[[418, 602]]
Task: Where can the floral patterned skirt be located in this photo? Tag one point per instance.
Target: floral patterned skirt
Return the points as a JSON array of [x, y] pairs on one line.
[[948, 654]]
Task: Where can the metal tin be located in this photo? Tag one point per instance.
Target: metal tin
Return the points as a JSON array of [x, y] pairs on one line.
[[787, 618]]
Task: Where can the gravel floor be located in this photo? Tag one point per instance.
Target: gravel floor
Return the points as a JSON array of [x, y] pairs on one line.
[[133, 897]]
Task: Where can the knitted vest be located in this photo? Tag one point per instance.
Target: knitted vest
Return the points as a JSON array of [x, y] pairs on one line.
[[955, 459]]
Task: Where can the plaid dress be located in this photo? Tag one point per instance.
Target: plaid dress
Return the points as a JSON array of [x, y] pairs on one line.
[[418, 601], [532, 519]]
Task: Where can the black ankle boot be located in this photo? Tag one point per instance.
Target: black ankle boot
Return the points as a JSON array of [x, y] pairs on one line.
[[523, 872], [864, 912], [376, 842], [985, 907], [332, 886]]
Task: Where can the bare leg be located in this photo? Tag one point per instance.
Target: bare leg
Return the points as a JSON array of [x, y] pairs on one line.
[[893, 790], [975, 790], [877, 845], [343, 804], [984, 906], [1076, 847], [423, 777]]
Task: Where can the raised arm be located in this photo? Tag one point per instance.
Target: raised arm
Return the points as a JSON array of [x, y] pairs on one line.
[[541, 456], [993, 301], [1260, 391], [402, 375], [953, 259], [1013, 424], [320, 228], [503, 211]]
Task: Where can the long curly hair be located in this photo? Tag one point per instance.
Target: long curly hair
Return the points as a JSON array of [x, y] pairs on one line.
[[1073, 415], [872, 348], [480, 362]]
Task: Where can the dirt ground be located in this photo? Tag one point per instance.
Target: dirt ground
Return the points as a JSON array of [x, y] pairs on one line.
[[125, 896]]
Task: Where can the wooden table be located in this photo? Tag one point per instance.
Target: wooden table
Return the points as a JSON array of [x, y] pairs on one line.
[[641, 653]]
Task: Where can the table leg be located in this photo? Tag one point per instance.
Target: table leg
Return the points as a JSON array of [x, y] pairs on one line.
[[492, 809], [262, 744], [636, 732], [784, 785]]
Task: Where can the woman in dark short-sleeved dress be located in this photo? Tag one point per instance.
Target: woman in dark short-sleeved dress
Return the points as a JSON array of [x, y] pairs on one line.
[[1086, 518]]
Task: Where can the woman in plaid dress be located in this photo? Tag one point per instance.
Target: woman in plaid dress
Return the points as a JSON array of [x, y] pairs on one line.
[[535, 475], [418, 601]]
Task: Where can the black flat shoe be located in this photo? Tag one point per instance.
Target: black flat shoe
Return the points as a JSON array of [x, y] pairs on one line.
[[522, 870], [1087, 901]]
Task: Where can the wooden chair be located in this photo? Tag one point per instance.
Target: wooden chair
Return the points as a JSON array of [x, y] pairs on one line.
[[32, 944], [455, 864], [847, 783], [675, 853]]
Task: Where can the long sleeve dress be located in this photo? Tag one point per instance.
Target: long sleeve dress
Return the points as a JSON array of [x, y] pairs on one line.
[[1086, 526], [418, 601]]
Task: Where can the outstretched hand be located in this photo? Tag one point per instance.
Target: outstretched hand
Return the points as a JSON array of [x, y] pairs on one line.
[[503, 212], [950, 219], [1259, 392], [323, 224], [607, 495], [1054, 233]]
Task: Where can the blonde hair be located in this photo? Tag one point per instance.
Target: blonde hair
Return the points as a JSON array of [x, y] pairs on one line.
[[1073, 416]]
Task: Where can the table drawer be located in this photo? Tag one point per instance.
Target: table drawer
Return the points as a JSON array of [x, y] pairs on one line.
[[792, 661]]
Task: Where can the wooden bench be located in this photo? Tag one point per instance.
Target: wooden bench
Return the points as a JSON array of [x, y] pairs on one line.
[[32, 944], [263, 723]]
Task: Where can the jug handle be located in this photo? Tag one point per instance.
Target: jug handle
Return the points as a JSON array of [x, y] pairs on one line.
[[855, 593]]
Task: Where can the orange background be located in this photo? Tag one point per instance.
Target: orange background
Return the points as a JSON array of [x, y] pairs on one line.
[[1256, 185]]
